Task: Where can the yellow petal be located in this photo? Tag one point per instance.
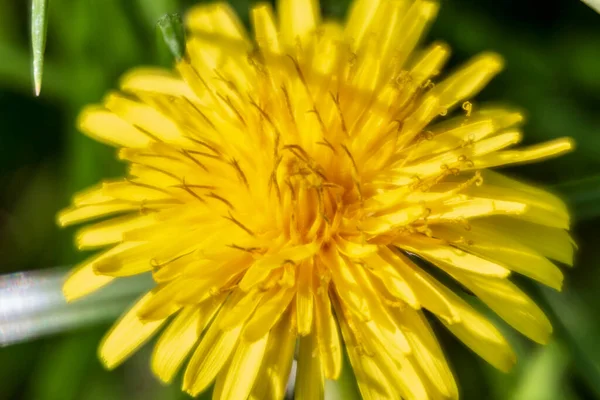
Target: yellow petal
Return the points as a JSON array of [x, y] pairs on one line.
[[479, 334], [92, 195], [392, 280], [412, 26], [74, 215], [462, 208], [310, 384], [110, 231], [243, 369], [427, 352], [488, 243], [155, 80], [373, 384], [514, 306], [271, 381], [82, 280], [268, 313], [461, 85], [108, 128], [542, 207], [346, 285], [557, 243], [261, 268], [265, 30], [429, 63], [452, 257], [388, 221], [180, 337], [479, 149], [218, 18], [209, 358], [175, 343], [458, 131], [534, 195], [355, 250], [241, 309], [394, 365], [429, 292], [297, 19], [132, 192], [125, 259], [360, 20], [549, 149], [161, 304], [126, 336], [468, 80], [381, 327], [328, 338], [144, 117], [304, 298]]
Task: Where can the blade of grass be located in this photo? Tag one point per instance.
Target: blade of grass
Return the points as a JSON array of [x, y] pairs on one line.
[[39, 28], [171, 27], [578, 328]]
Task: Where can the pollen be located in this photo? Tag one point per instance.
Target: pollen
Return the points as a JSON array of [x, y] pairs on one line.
[[298, 193]]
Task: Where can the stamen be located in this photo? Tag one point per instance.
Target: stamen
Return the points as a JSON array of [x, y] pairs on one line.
[[151, 155], [238, 223], [208, 121], [233, 108], [288, 103], [336, 101], [319, 119], [251, 250], [326, 143], [150, 135], [468, 107], [230, 84], [172, 175], [203, 154], [210, 90], [187, 188], [234, 163], [203, 143], [156, 265], [273, 180], [194, 160], [321, 205], [347, 151], [147, 186], [225, 201]]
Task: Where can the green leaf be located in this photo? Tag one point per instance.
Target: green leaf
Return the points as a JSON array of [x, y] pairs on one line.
[[171, 27], [595, 4], [39, 27], [578, 326], [345, 387], [548, 364], [582, 196]]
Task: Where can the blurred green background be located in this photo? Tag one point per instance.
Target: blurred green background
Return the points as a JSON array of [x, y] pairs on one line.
[[552, 52]]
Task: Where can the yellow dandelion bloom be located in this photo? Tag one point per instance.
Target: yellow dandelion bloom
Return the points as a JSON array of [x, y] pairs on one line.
[[286, 191]]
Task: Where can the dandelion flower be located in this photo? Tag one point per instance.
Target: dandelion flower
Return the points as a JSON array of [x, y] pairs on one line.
[[300, 193]]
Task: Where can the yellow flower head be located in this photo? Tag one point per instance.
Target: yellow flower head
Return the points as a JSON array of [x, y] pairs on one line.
[[298, 187]]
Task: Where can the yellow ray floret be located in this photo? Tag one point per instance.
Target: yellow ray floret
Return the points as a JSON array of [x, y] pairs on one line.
[[301, 193]]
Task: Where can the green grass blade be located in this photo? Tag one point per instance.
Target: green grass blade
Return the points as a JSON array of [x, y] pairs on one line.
[[39, 27], [171, 27]]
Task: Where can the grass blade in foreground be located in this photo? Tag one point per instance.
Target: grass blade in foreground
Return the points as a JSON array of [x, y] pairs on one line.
[[32, 304], [39, 27], [173, 34]]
